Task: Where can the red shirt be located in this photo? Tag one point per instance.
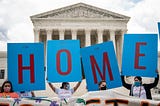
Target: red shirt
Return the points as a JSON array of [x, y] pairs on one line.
[[9, 95]]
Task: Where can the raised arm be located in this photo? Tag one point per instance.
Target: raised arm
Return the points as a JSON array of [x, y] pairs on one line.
[[52, 87], [77, 85], [154, 84], [126, 85], [33, 94]]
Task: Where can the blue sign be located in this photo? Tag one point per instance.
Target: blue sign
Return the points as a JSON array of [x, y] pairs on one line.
[[100, 63], [26, 66], [140, 55], [63, 61], [159, 29]]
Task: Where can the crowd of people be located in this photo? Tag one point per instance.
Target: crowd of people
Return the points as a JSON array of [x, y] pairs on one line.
[[137, 89]]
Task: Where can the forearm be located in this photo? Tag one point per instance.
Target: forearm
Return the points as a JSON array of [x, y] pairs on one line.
[[156, 80], [77, 85], [33, 94], [51, 86], [128, 86]]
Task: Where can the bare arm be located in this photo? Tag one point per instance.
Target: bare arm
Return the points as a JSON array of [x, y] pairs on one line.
[[77, 85], [52, 87], [33, 94]]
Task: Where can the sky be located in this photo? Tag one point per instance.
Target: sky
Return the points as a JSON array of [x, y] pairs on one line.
[[16, 25]]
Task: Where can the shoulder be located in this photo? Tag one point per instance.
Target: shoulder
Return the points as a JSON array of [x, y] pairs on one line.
[[1, 94], [145, 85], [14, 95], [57, 90], [72, 90]]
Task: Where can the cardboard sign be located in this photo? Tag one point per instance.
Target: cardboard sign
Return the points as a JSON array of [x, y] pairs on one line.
[[63, 61], [140, 52], [100, 63], [26, 66]]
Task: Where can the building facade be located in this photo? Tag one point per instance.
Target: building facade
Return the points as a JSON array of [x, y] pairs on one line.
[[3, 66], [89, 24]]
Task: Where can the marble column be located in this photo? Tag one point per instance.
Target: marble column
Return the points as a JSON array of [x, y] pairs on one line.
[[122, 37], [120, 47], [87, 37], [36, 35], [100, 35], [112, 38], [61, 34], [49, 34], [74, 34]]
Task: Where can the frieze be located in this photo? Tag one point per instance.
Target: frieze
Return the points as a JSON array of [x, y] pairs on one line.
[[80, 12]]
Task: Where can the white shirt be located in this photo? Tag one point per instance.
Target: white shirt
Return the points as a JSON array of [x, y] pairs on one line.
[[63, 93], [139, 92]]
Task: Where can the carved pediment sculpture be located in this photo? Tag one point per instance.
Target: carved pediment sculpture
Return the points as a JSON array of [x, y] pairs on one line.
[[80, 10]]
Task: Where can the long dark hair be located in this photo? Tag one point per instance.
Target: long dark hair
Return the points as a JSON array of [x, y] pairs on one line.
[[2, 89], [64, 84]]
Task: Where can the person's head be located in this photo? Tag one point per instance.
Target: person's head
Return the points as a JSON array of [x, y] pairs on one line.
[[102, 85], [65, 85], [7, 87], [137, 81]]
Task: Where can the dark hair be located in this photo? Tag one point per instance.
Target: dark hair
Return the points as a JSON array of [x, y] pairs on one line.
[[138, 77], [2, 89], [101, 82], [64, 84]]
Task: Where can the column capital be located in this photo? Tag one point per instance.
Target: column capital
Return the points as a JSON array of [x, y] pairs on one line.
[[124, 31], [36, 34], [100, 30], [74, 30], [61, 30], [88, 29], [112, 30], [36, 30], [49, 30]]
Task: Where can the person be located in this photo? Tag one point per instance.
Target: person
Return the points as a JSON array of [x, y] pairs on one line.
[[26, 94], [102, 85], [65, 92], [137, 89], [7, 91]]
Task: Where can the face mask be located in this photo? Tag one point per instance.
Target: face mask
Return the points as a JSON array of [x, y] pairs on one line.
[[7, 89], [136, 83], [67, 87], [103, 88]]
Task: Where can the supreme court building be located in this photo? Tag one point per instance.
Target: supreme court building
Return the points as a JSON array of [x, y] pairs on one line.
[[89, 24]]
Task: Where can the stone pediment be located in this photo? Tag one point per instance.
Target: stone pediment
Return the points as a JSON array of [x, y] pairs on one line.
[[80, 10]]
